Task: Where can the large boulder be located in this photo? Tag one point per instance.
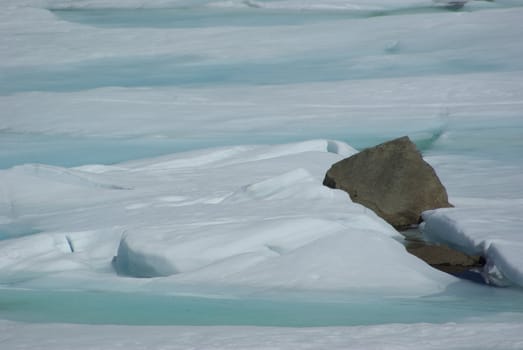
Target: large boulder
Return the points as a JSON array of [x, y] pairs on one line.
[[392, 179]]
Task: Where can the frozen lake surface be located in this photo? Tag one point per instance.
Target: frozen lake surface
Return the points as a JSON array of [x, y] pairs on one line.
[[186, 142]]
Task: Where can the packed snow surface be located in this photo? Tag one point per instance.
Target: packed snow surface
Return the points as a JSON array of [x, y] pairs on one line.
[[500, 334]]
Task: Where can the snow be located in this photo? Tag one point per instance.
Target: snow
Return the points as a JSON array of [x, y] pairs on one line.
[[487, 229], [259, 214], [75, 83], [157, 149], [488, 203], [495, 334]]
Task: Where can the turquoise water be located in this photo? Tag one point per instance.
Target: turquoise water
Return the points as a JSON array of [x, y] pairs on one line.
[[188, 16], [198, 17], [65, 150], [149, 309], [199, 71], [194, 17], [70, 151], [489, 139]]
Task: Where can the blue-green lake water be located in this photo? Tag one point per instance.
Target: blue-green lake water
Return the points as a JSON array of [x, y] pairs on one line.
[[151, 309]]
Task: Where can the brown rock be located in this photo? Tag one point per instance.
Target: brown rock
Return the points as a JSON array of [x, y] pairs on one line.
[[392, 179], [445, 258]]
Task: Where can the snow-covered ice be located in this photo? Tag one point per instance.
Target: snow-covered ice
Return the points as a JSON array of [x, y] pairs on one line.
[[254, 216], [168, 155], [501, 334], [490, 229], [487, 216]]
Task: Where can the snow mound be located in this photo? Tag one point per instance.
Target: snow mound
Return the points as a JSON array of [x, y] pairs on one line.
[[240, 216], [491, 230], [278, 227], [227, 156], [57, 252], [163, 252], [309, 254], [35, 189]]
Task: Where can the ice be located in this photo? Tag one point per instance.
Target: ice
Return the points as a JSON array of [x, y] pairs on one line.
[[281, 187], [293, 4], [201, 132], [503, 333], [258, 212], [490, 230], [488, 200], [291, 254], [276, 84], [48, 253]]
